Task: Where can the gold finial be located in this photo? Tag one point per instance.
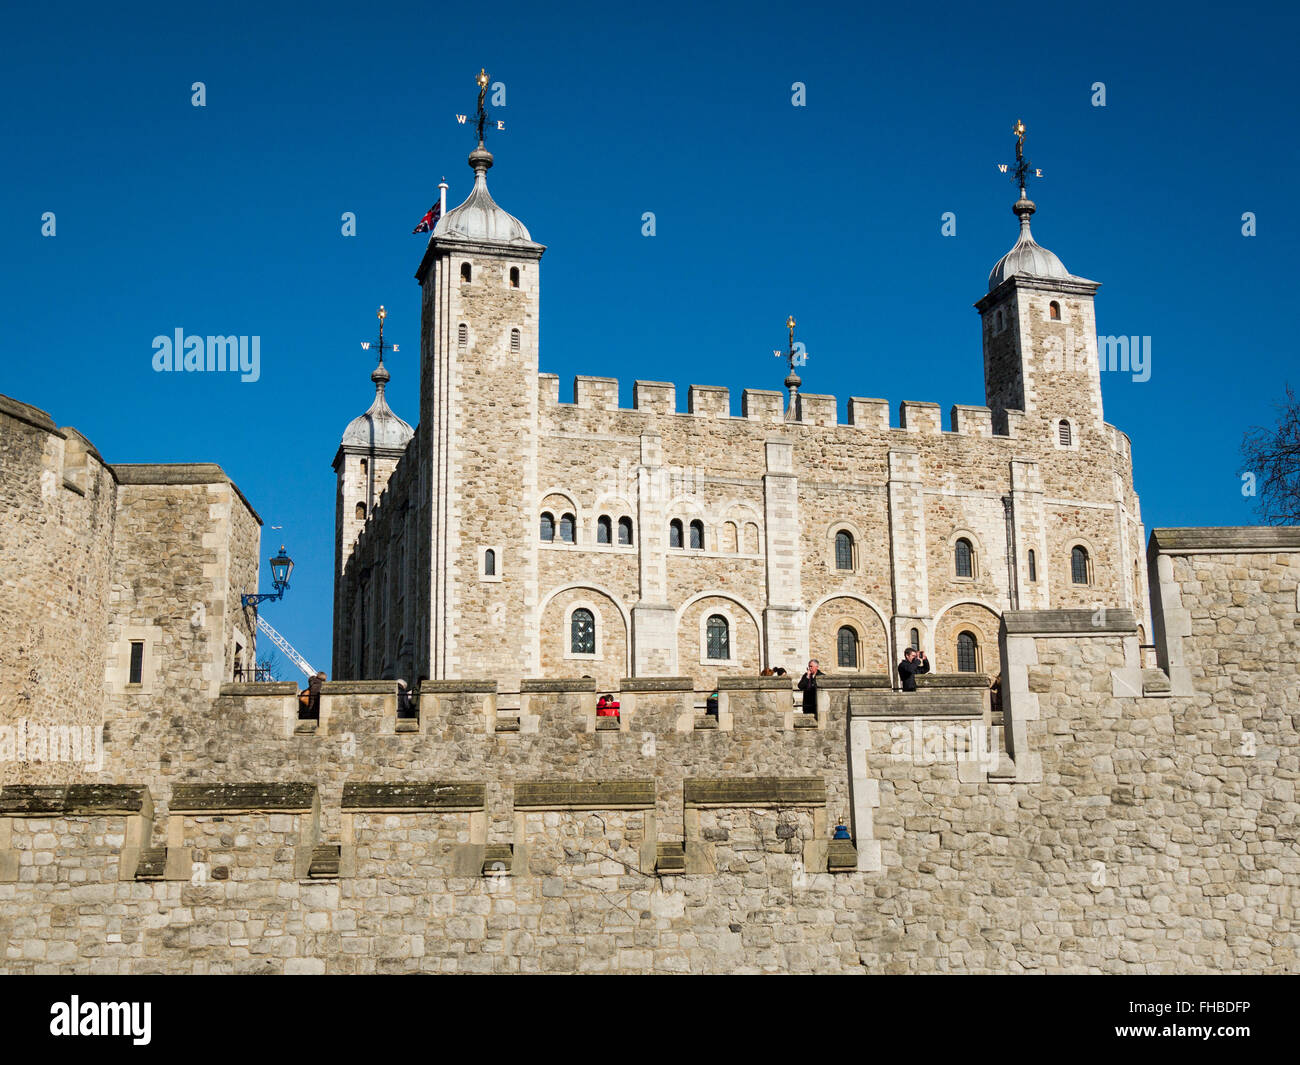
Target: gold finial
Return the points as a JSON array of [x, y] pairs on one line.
[[482, 78], [382, 313], [789, 324]]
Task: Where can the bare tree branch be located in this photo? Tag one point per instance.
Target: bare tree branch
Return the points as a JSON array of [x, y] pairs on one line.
[[1272, 457]]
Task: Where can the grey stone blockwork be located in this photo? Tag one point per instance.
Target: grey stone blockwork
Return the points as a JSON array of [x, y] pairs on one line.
[[1094, 830]]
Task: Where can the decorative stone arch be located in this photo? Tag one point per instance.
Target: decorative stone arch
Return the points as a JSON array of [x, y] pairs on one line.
[[546, 499], [557, 502], [976, 616], [612, 659], [613, 506], [687, 508], [852, 529], [1068, 562], [830, 613], [729, 537], [751, 539], [737, 510], [741, 654], [976, 550]]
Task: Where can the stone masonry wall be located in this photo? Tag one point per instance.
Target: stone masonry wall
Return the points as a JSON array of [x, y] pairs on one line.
[[1148, 824], [57, 513]]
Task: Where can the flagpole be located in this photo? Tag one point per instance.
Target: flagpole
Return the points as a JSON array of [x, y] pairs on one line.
[[442, 197]]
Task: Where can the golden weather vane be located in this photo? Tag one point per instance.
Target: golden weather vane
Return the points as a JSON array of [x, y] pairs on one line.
[[366, 344], [1023, 168], [483, 79], [797, 355]]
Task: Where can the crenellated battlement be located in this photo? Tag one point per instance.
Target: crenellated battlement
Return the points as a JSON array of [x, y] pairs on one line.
[[768, 408]]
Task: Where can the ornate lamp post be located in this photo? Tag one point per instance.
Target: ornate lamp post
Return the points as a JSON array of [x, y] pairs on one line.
[[281, 567]]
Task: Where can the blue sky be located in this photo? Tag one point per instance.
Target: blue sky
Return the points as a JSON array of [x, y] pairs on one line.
[[225, 219]]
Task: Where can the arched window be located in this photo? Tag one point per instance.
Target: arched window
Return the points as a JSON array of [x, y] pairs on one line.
[[915, 643], [964, 558], [717, 638], [604, 527], [514, 340], [365, 467], [1079, 565], [548, 527], [361, 512], [675, 533], [567, 522], [582, 632], [967, 653], [1054, 311], [847, 645], [624, 530], [843, 549], [462, 334], [464, 271], [514, 277], [1064, 433], [1033, 565], [489, 563], [697, 536]]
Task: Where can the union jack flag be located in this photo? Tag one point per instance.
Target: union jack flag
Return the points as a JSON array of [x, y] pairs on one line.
[[429, 220]]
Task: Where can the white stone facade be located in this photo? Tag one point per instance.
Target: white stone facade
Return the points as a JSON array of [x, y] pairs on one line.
[[731, 517]]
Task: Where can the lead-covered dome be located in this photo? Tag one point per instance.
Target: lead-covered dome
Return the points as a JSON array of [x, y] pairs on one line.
[[379, 426], [479, 218], [1027, 258]]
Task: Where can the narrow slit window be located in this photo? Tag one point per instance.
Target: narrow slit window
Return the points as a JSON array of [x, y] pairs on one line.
[[1064, 433], [674, 533], [136, 676], [514, 277], [567, 523], [1033, 565], [603, 529], [625, 530], [514, 340], [843, 550], [489, 563], [697, 536], [548, 527], [464, 271], [462, 334]]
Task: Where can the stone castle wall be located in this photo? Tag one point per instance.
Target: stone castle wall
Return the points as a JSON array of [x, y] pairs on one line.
[[1134, 820], [57, 528], [906, 495], [98, 557]]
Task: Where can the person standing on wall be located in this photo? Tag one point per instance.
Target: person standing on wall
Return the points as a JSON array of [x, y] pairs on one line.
[[808, 685], [913, 663]]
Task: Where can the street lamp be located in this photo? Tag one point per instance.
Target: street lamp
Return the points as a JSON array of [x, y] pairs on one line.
[[281, 567]]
